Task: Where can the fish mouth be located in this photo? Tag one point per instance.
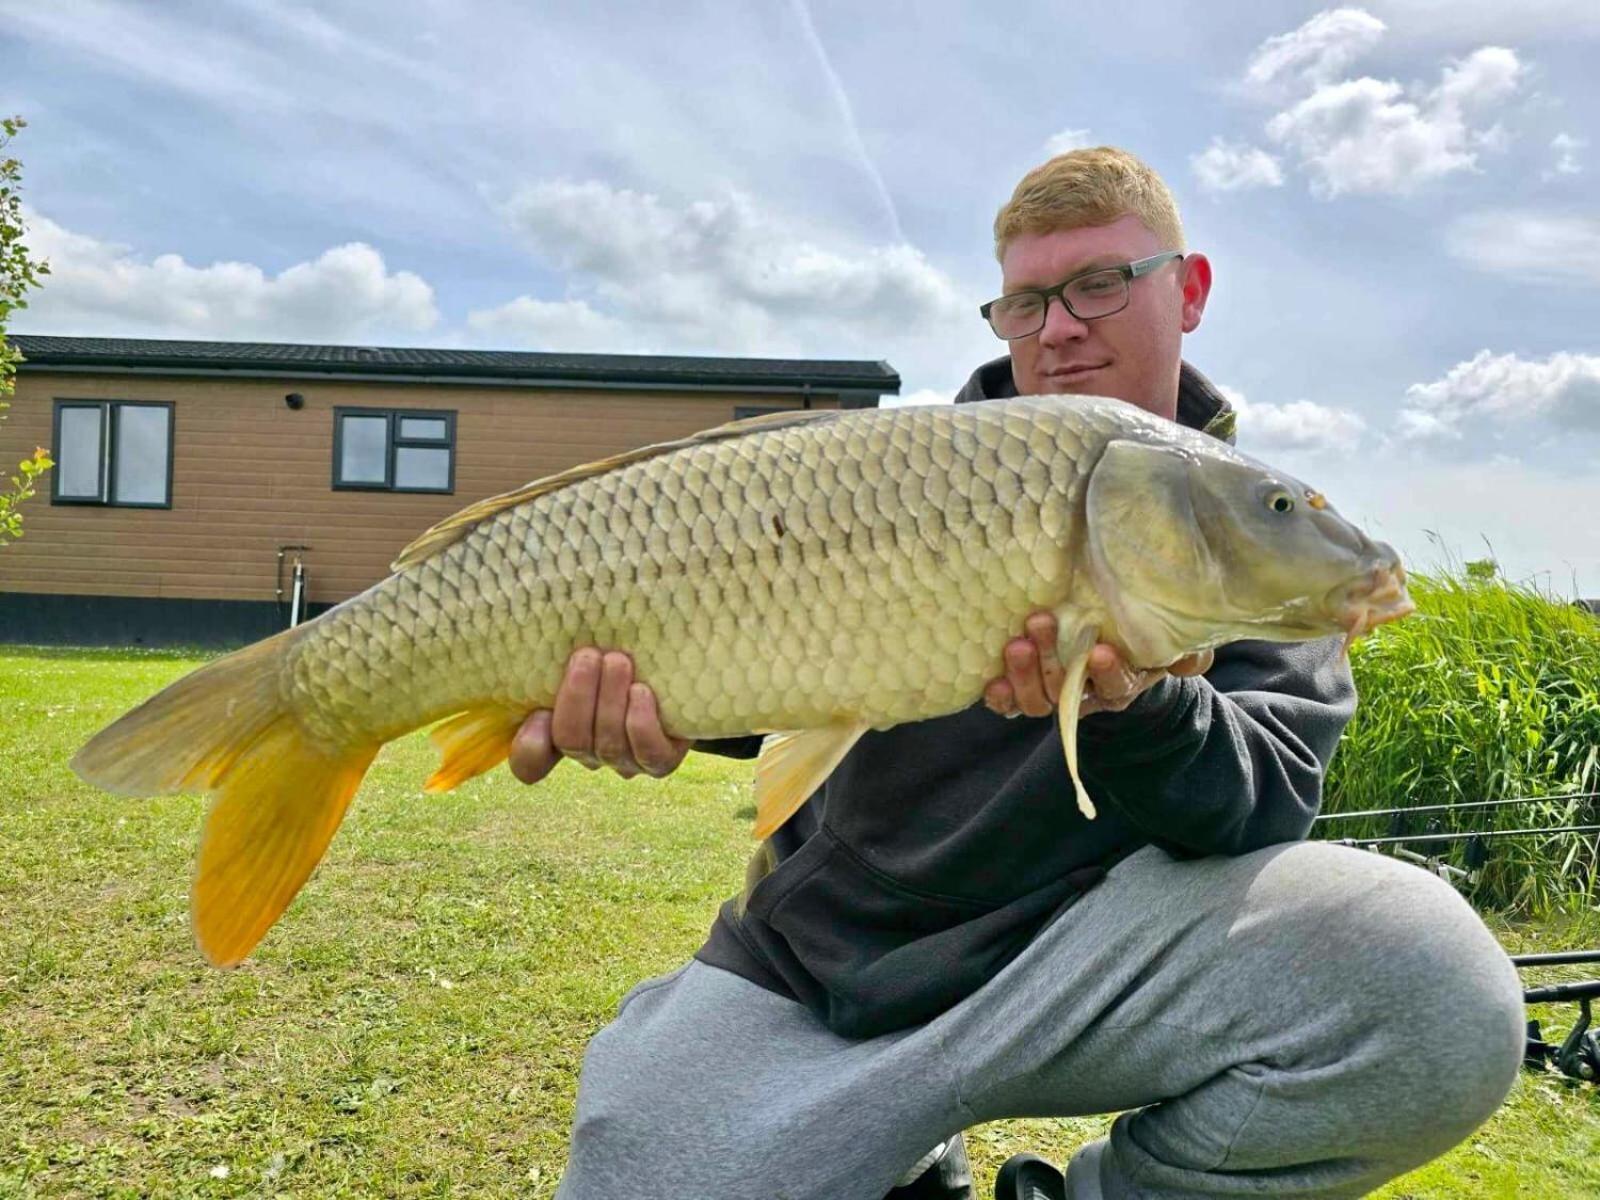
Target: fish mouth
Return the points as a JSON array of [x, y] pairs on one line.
[[1376, 598]]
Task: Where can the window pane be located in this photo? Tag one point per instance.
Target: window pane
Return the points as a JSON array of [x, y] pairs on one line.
[[78, 466], [141, 454], [416, 468], [428, 428], [364, 456]]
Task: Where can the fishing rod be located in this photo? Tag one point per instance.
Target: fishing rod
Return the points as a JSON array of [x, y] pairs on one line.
[[1453, 806], [1476, 854], [1578, 1055], [1558, 958], [1445, 836]]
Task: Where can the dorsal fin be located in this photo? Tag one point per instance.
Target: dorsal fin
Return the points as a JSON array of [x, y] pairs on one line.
[[453, 528]]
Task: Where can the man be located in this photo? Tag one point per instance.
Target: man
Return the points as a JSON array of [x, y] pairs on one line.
[[945, 940]]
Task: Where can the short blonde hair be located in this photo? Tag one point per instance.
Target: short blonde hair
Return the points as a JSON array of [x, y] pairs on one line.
[[1093, 186]]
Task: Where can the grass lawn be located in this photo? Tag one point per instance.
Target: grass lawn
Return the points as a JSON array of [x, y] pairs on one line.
[[415, 1023]]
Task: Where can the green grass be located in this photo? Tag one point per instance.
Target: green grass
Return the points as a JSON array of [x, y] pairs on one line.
[[1490, 691], [415, 1024]]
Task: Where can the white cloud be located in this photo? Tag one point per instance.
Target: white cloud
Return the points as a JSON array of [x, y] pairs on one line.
[[555, 325], [1365, 136], [1506, 390], [1487, 75], [1067, 139], [1225, 166], [1301, 426], [725, 276], [1317, 51], [1542, 247], [1566, 148], [96, 287]]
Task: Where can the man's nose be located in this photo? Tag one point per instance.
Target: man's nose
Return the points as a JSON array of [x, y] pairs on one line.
[[1059, 324]]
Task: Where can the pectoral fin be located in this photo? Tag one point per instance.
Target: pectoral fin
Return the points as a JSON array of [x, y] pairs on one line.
[[1073, 648], [793, 765]]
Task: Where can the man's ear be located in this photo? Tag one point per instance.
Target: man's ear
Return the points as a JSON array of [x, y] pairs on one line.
[[1196, 284]]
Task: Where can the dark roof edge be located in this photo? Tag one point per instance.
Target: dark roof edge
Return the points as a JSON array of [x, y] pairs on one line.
[[601, 371], [357, 374]]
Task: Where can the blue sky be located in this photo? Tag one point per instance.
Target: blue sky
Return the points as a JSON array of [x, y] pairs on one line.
[[1399, 199]]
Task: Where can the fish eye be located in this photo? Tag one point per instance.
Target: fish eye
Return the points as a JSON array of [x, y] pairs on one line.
[[1280, 501]]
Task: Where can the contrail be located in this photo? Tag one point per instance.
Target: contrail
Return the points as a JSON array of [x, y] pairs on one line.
[[845, 111]]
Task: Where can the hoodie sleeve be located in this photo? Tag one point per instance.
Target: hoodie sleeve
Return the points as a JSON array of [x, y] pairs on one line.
[[734, 747], [1231, 761]]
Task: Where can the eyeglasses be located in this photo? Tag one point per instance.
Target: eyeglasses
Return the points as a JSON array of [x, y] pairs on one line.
[[1101, 292]]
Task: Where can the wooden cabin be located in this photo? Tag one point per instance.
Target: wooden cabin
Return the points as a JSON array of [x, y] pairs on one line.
[[191, 476]]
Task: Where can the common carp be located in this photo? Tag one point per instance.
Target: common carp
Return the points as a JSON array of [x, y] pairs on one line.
[[809, 575]]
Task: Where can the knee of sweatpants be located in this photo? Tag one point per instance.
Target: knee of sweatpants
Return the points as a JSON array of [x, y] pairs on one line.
[[1428, 997], [622, 1109], [641, 1104]]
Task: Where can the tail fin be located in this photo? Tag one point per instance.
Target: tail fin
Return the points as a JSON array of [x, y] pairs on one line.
[[280, 794]]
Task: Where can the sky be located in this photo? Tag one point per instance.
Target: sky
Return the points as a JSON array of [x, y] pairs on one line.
[[1399, 200]]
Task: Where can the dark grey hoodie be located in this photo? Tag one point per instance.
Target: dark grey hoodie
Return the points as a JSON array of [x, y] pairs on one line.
[[937, 850]]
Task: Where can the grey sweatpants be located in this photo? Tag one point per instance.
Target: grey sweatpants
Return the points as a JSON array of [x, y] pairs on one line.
[[1264, 1018]]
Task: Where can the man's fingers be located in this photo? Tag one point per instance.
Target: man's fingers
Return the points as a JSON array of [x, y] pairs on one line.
[[572, 724], [1115, 683], [611, 714], [1043, 632], [999, 697], [601, 715], [1023, 674], [656, 752], [1104, 659], [533, 754]]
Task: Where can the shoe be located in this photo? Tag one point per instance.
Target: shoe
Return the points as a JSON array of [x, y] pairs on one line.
[[948, 1177], [1029, 1177]]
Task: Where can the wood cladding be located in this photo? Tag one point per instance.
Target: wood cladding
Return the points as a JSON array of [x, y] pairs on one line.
[[250, 474]]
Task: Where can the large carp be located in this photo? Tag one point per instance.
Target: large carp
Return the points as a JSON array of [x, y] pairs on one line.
[[811, 574]]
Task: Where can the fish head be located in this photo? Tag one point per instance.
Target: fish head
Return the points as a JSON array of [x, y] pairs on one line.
[[1191, 547]]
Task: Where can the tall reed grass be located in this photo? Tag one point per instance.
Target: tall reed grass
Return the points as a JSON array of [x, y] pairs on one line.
[[1492, 690]]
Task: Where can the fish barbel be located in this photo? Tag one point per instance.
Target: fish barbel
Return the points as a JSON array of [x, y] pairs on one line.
[[810, 575]]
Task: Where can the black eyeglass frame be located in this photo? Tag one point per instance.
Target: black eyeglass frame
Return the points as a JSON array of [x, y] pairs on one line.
[[1128, 271]]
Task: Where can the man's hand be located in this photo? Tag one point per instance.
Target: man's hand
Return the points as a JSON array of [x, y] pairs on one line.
[[602, 716], [1031, 685]]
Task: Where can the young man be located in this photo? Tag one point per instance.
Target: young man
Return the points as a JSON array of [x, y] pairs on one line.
[[946, 941]]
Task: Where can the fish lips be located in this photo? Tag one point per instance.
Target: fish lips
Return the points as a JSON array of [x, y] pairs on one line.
[[1375, 597]]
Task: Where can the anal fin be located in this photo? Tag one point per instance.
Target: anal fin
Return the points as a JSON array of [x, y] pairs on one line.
[[471, 743], [793, 765]]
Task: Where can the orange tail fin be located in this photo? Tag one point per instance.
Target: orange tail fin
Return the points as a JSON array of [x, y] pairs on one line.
[[280, 794]]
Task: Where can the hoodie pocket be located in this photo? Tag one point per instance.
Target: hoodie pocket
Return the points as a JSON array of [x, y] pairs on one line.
[[887, 955]]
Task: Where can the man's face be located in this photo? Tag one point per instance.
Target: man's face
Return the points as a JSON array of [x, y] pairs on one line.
[[1133, 355]]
